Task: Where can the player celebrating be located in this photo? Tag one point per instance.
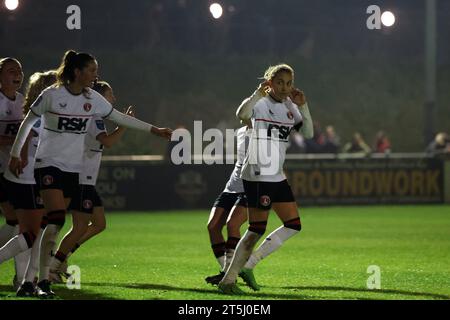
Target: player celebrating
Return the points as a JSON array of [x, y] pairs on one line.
[[231, 204], [66, 110], [273, 117], [24, 195], [11, 102], [87, 205]]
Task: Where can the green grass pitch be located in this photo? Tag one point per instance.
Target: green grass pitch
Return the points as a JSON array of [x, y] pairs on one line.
[[167, 255]]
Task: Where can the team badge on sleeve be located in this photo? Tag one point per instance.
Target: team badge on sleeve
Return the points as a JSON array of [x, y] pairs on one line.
[[37, 124], [87, 107], [100, 124]]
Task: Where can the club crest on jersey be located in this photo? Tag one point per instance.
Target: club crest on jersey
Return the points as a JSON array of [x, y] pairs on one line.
[[87, 107], [47, 180], [87, 204], [264, 201], [290, 115]]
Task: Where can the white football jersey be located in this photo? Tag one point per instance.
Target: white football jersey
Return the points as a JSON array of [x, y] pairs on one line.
[[11, 115], [234, 184], [27, 177], [92, 152], [272, 123], [66, 118]]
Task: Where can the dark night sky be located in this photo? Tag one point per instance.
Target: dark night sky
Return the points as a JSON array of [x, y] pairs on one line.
[[162, 53], [187, 25]]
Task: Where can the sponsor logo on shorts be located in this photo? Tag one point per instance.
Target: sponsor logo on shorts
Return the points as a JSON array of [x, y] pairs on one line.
[[264, 200], [47, 180], [87, 107], [87, 204]]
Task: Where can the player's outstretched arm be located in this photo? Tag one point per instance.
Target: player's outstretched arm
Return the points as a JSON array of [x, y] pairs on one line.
[[245, 110], [133, 123], [109, 139], [165, 133]]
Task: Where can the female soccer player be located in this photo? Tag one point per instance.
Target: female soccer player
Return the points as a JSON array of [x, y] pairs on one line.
[[24, 195], [266, 187], [229, 208], [67, 110], [232, 206], [87, 206], [11, 102]]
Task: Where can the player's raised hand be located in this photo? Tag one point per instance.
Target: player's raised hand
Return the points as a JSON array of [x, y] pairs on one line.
[[162, 132], [264, 87], [298, 97]]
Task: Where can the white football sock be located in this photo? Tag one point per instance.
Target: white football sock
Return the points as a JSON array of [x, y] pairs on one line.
[[13, 247], [269, 245], [243, 251], [48, 246], [6, 233], [33, 264], [21, 262], [228, 257], [221, 261]]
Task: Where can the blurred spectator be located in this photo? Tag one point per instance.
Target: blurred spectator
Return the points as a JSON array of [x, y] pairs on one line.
[[316, 144], [332, 141], [440, 144], [382, 143], [357, 145]]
